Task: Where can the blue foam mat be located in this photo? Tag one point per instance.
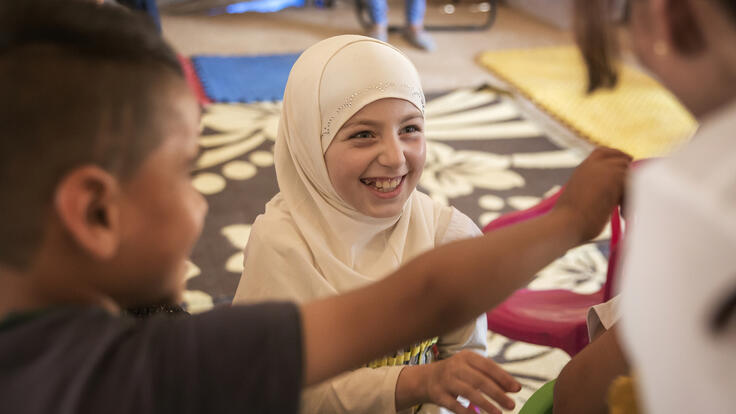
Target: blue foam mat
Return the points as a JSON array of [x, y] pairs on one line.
[[244, 78], [262, 6]]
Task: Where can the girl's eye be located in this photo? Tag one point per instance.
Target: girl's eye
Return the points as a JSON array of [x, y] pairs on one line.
[[362, 134], [411, 129]]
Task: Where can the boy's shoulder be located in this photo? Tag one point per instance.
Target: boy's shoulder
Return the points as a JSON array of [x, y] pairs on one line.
[[78, 322], [84, 359], [43, 353]]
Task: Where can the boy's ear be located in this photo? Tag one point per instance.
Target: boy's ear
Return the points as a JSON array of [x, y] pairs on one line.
[[86, 204]]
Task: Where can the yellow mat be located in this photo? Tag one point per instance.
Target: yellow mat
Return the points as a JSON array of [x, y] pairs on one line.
[[639, 116]]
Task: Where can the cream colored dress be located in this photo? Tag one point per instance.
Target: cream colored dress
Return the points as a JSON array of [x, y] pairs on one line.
[[310, 243]]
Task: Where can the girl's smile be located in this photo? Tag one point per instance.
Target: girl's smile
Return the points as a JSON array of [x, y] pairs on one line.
[[384, 187], [377, 156]]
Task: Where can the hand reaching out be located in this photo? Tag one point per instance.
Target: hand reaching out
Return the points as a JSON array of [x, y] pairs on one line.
[[472, 377], [596, 186]]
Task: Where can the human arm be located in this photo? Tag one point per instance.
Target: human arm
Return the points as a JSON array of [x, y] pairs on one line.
[[440, 383], [469, 337], [360, 391], [397, 388], [429, 385], [462, 359], [472, 335], [583, 383], [484, 271]]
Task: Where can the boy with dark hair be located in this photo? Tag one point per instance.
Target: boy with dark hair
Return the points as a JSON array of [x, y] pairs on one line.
[[99, 134]]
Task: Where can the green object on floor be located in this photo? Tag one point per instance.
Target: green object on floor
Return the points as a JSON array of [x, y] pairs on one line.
[[541, 401]]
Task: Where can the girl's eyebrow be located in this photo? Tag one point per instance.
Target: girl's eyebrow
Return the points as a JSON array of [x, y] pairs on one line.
[[362, 122], [411, 116], [372, 123]]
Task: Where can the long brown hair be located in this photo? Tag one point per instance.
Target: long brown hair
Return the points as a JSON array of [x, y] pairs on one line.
[[595, 34]]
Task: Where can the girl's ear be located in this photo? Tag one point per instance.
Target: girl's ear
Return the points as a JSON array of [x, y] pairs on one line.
[[86, 202]]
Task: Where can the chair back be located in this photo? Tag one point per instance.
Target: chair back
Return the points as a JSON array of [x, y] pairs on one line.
[[543, 207]]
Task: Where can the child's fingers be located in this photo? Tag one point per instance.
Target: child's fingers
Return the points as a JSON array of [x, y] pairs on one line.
[[477, 398], [478, 385], [498, 374], [607, 156], [610, 152], [452, 404], [621, 164]]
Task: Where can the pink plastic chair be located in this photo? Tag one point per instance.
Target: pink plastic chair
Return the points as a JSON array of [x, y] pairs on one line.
[[557, 317]]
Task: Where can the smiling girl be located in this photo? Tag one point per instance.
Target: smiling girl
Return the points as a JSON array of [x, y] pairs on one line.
[[349, 153]]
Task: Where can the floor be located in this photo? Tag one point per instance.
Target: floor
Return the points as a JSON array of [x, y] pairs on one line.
[[451, 66]]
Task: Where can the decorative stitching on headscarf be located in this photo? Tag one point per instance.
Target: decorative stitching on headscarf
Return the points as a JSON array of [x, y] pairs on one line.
[[414, 92]]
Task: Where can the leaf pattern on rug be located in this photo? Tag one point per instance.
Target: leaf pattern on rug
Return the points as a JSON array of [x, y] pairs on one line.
[[483, 157]]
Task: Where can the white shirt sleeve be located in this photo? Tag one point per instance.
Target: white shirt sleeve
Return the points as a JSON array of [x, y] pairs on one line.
[[460, 227], [362, 391], [602, 317]]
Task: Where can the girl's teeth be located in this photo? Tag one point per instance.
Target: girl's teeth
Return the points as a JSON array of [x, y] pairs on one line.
[[384, 186]]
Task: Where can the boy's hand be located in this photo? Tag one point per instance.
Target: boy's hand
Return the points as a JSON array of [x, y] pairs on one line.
[[593, 190], [470, 376]]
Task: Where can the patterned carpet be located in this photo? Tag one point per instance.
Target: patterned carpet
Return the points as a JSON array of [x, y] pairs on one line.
[[483, 157]]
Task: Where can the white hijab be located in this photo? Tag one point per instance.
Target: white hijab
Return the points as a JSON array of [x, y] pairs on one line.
[[310, 243]]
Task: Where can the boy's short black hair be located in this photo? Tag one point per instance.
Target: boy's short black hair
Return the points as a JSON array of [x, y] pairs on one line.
[[80, 85]]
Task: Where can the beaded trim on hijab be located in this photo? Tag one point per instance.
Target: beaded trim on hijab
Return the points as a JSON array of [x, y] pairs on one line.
[[414, 92]]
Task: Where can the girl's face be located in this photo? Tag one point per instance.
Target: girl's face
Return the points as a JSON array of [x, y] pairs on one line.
[[376, 158]]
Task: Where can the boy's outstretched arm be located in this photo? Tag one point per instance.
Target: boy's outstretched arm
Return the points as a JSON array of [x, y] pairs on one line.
[[443, 288]]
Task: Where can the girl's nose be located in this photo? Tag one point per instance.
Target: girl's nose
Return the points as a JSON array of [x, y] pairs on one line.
[[392, 152]]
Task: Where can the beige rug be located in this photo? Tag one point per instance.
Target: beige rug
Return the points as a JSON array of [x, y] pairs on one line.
[[483, 157]]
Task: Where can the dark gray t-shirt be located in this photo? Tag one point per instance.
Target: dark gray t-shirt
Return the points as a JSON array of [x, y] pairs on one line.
[[243, 359]]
